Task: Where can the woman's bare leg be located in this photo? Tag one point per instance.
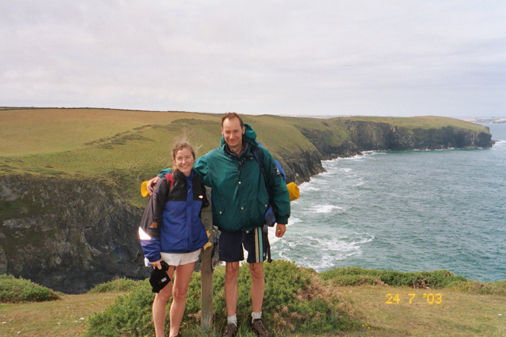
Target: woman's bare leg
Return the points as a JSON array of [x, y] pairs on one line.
[[183, 276], [160, 303]]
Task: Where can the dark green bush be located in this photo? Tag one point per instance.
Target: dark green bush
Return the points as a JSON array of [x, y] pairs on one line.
[[119, 284], [358, 276], [130, 315], [295, 300], [13, 290]]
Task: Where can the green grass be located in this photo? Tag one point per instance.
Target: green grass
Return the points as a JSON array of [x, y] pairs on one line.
[[15, 290], [466, 308], [357, 276], [120, 284], [423, 122]]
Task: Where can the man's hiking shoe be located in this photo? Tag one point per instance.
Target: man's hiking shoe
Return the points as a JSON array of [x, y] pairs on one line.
[[258, 327], [230, 330]]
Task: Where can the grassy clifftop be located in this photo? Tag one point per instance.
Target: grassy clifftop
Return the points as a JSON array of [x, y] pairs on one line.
[[124, 147]]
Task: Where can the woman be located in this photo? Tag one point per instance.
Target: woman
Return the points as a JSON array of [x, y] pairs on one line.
[[175, 214]]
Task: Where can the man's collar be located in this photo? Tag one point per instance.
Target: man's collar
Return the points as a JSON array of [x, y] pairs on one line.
[[241, 154]]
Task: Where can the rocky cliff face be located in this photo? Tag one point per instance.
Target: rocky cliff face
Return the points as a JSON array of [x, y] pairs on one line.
[[67, 235], [382, 136], [370, 136], [70, 235]]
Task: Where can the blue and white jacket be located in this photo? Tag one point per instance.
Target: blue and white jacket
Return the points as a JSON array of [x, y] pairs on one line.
[[173, 217]]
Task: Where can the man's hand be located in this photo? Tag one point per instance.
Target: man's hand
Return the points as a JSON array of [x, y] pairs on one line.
[[156, 264], [151, 186], [280, 230]]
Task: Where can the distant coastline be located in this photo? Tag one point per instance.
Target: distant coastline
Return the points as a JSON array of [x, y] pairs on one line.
[[493, 120]]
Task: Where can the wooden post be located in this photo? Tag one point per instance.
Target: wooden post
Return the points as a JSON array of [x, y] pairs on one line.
[[206, 274]]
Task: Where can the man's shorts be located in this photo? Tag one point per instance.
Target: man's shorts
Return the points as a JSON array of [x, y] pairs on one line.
[[255, 243]]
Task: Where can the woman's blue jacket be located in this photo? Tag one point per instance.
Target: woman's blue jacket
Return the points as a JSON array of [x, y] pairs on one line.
[[177, 209]]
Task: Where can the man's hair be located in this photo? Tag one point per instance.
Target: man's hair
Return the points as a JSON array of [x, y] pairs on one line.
[[232, 115], [179, 146]]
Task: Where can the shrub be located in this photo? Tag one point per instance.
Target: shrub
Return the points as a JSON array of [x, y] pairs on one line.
[[484, 288], [119, 284], [358, 276], [295, 300], [130, 315], [14, 290]]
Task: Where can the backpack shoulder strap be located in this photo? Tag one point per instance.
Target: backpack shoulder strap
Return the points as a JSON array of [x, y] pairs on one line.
[[259, 158], [170, 180]]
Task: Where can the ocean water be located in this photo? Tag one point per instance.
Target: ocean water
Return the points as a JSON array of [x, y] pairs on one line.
[[405, 211]]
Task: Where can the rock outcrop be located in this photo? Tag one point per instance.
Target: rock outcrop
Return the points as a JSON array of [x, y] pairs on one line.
[[67, 235]]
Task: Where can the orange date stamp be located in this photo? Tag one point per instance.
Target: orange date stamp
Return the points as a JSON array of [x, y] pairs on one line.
[[430, 298]]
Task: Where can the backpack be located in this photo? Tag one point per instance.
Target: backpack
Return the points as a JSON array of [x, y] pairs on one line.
[[270, 217], [148, 225]]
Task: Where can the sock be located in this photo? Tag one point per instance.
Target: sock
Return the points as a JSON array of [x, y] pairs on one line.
[[232, 320], [255, 315]]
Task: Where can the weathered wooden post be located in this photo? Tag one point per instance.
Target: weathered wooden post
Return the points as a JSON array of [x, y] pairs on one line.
[[206, 274]]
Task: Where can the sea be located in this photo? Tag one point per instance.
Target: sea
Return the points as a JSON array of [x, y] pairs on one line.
[[404, 210]]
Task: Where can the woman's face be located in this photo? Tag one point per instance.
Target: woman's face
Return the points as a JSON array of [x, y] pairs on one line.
[[184, 161]]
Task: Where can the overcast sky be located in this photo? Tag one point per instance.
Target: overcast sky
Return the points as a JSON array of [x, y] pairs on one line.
[[328, 57]]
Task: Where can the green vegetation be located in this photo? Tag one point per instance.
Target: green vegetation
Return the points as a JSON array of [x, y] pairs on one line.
[[483, 288], [122, 148], [296, 301], [357, 276], [422, 122], [120, 284], [14, 290]]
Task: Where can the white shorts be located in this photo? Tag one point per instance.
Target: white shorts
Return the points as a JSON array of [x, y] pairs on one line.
[[173, 259]]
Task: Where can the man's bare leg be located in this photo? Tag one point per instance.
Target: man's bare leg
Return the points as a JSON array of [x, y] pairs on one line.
[[257, 285], [231, 290]]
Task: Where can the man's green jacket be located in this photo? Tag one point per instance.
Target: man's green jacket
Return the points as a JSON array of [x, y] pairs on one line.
[[239, 196]]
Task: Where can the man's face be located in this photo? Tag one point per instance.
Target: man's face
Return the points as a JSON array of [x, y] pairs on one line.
[[232, 132]]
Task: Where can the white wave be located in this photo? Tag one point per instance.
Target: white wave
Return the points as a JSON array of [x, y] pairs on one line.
[[325, 208], [307, 188], [325, 252]]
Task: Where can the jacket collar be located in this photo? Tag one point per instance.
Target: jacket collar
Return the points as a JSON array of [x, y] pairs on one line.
[[180, 175], [241, 154]]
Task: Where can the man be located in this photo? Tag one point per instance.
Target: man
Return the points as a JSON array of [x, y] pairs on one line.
[[239, 201]]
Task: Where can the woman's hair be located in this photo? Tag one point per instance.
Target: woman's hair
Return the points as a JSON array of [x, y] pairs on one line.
[[179, 146]]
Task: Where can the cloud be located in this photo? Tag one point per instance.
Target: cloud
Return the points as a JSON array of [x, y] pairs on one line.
[[279, 57]]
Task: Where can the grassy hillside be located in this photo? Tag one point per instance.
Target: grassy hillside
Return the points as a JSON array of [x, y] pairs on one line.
[[124, 147], [423, 122]]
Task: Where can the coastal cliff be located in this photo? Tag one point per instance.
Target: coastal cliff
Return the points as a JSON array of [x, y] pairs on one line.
[[378, 136], [69, 229], [67, 235]]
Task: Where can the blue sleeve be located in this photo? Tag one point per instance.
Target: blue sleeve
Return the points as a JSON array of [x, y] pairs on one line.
[[151, 249]]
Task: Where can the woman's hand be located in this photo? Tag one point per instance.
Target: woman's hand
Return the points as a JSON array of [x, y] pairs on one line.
[[157, 264], [151, 186]]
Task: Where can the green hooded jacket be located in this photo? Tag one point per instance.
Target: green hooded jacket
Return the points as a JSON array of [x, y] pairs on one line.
[[239, 196]]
